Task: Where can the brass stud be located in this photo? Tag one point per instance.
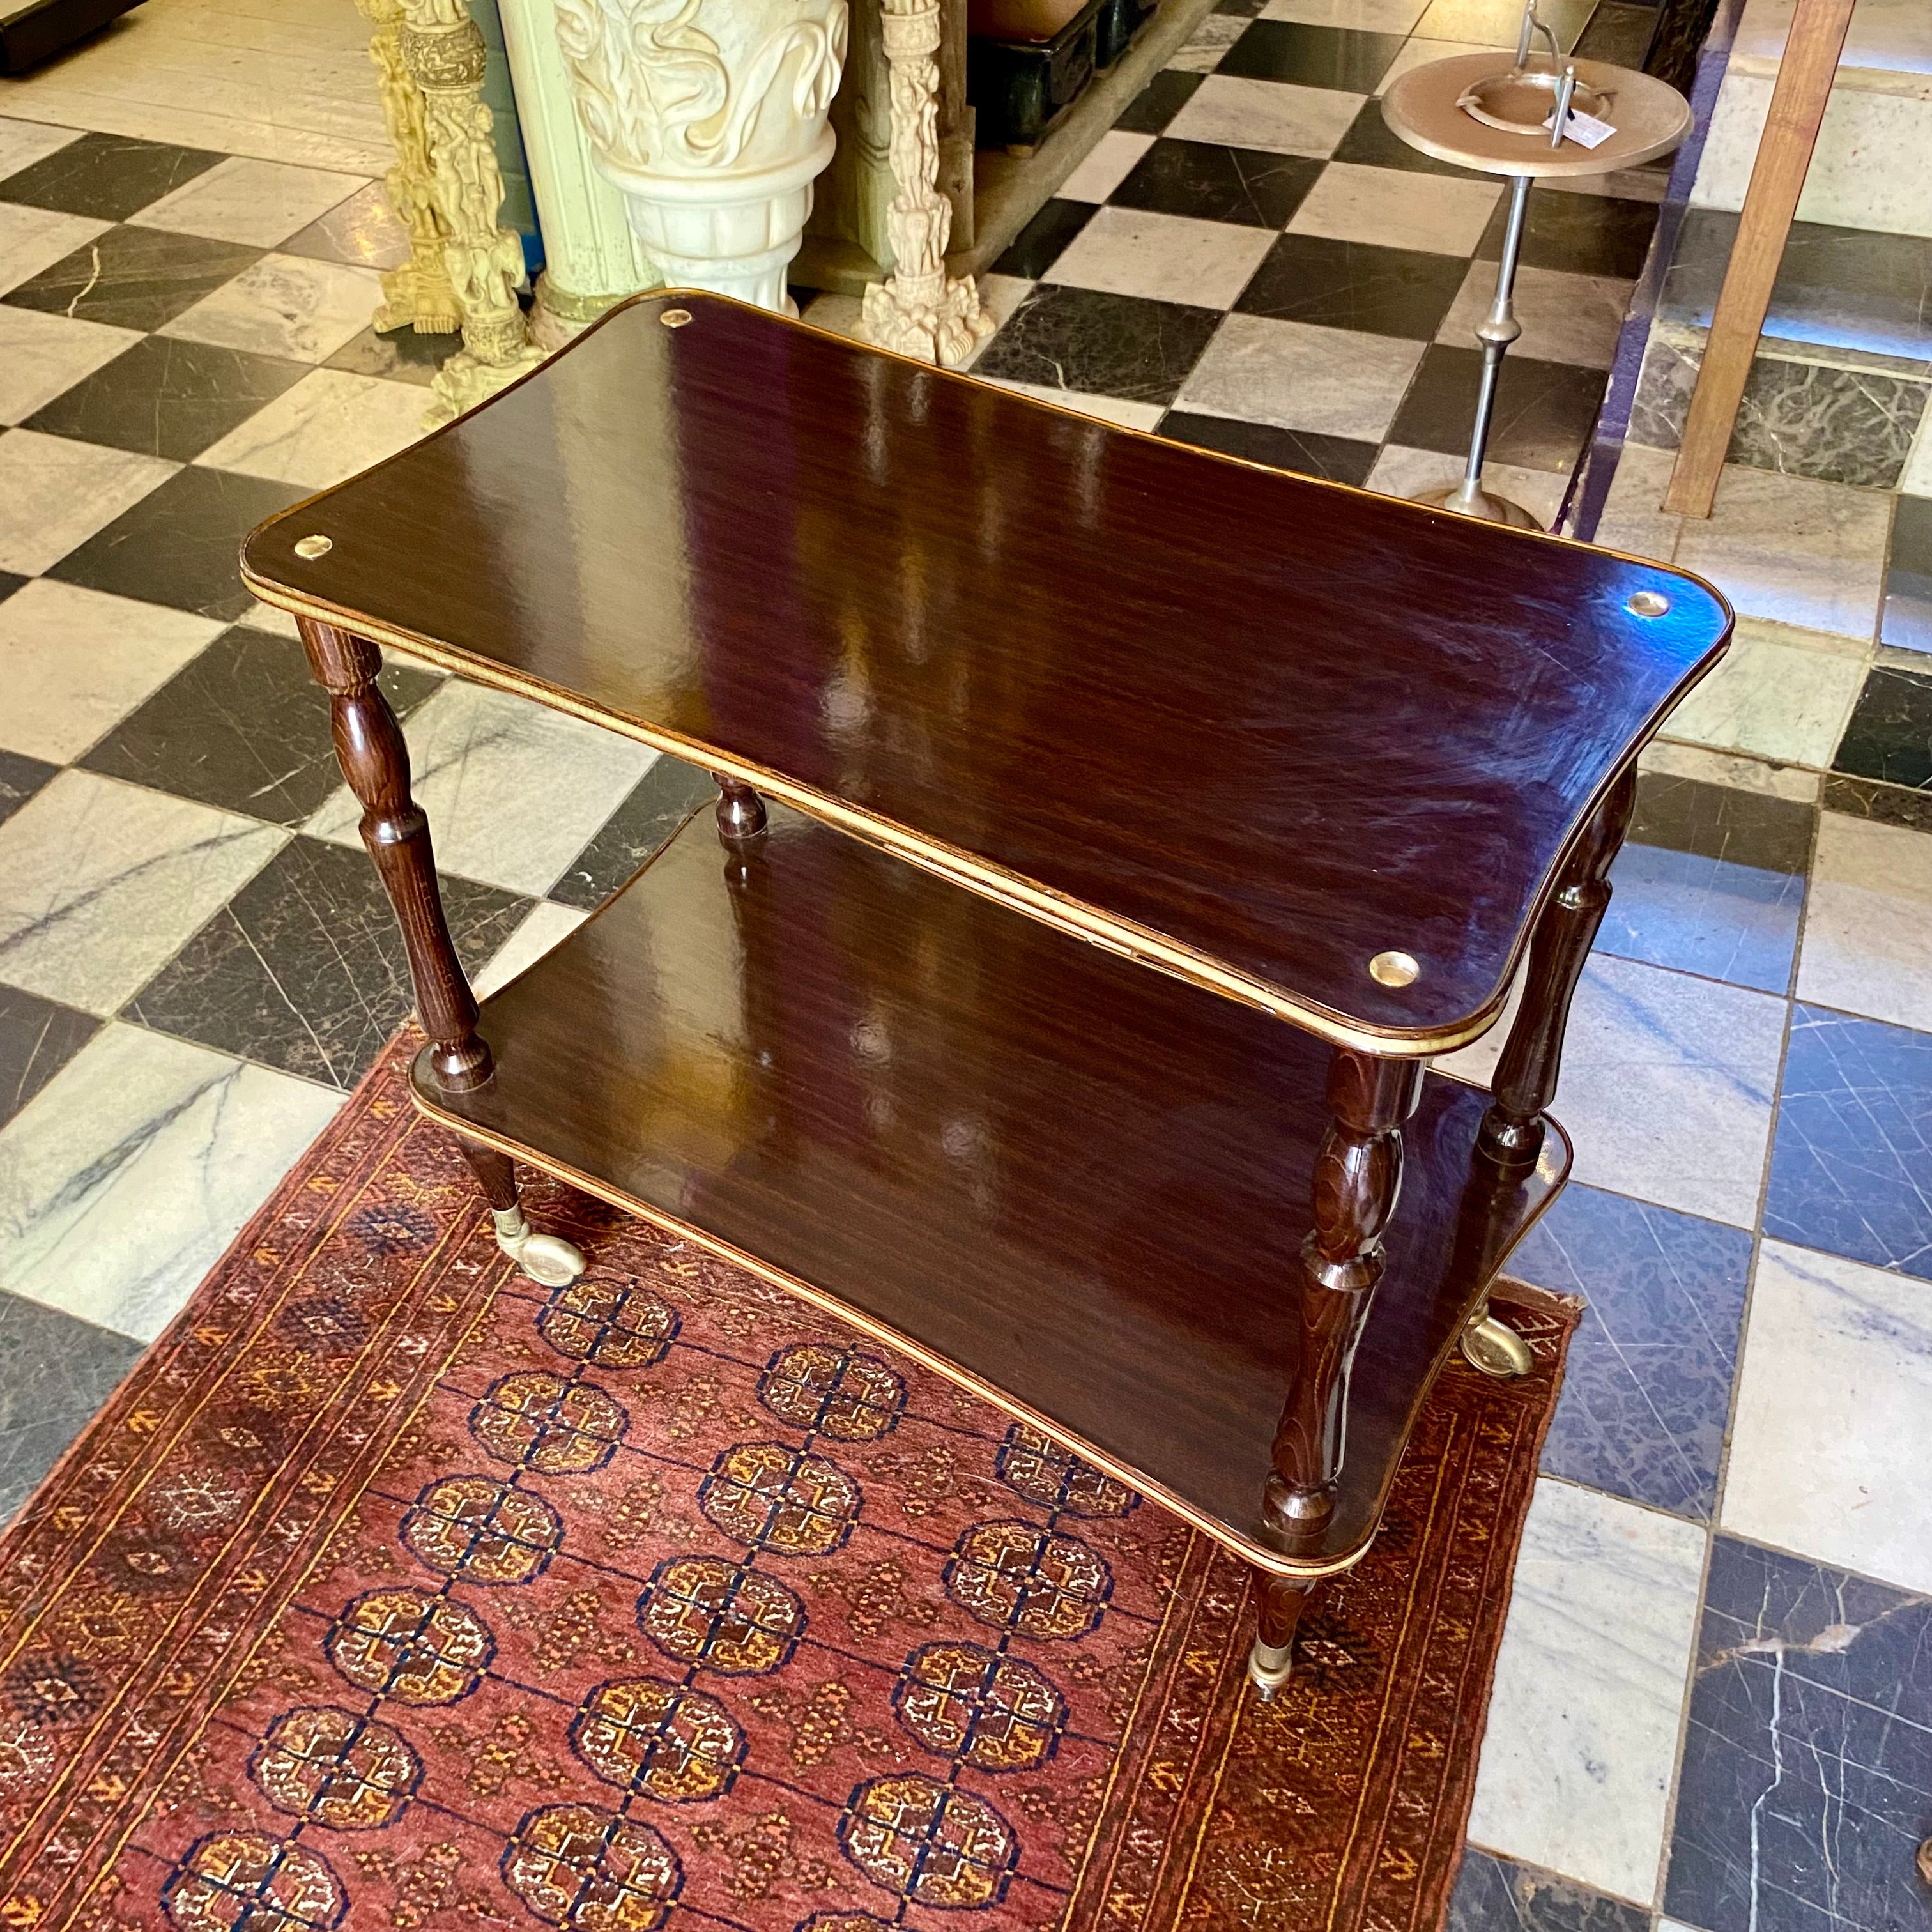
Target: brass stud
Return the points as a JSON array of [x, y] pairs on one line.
[[312, 547], [675, 318], [1648, 603], [1394, 969]]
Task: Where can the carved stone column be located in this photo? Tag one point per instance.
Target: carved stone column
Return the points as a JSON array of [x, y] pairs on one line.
[[920, 310], [418, 294], [443, 48], [710, 116]]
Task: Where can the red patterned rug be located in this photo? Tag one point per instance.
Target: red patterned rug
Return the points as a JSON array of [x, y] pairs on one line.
[[391, 1590]]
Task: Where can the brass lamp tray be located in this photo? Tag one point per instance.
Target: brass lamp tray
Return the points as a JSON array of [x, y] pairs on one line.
[[1521, 100]]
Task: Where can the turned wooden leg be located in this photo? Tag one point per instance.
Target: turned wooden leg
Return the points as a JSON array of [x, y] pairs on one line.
[[1358, 1175], [375, 761], [1271, 1661], [741, 811]]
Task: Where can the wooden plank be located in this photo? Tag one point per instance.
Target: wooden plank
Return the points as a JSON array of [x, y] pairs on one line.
[[1798, 103]]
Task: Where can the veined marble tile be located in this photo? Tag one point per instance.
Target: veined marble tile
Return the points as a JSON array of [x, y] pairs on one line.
[[34, 238], [1109, 409], [1213, 35], [1277, 116], [131, 1171], [73, 663], [1401, 472], [1333, 382], [1565, 318], [1371, 16], [55, 494], [1108, 164], [243, 200], [1830, 1455], [327, 428], [544, 926], [1634, 520], [1494, 1895], [1739, 773], [285, 305], [24, 143], [54, 1374], [1393, 209], [1865, 928], [1576, 1768], [514, 792], [1421, 52], [1495, 21], [101, 882], [41, 356], [1771, 699], [1915, 480], [1132, 251], [361, 230]]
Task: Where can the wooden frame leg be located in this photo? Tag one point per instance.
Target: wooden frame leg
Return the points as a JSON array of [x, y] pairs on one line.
[[1271, 1660], [375, 761], [1357, 1177]]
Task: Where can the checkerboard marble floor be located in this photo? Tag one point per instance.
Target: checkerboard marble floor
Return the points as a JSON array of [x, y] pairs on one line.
[[1714, 1707]]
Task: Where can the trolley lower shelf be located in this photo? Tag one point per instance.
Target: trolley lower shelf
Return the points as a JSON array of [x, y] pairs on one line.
[[1076, 1186]]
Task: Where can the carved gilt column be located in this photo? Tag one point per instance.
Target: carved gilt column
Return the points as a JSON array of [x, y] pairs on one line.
[[920, 310], [418, 294], [711, 117], [443, 49]]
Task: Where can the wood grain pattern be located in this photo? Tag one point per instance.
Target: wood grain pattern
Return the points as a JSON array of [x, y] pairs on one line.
[[1077, 1186], [1254, 728]]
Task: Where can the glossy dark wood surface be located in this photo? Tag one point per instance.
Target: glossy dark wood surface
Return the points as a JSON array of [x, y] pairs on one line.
[[1077, 1183], [1251, 719]]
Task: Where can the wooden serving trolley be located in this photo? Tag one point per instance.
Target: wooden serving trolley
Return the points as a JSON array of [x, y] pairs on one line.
[[1060, 767]]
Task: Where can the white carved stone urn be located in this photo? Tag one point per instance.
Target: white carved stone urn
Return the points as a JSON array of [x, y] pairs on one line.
[[711, 116]]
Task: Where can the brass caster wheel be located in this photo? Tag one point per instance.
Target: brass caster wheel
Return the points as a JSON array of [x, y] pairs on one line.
[[547, 1259], [1495, 1348], [1269, 1667]]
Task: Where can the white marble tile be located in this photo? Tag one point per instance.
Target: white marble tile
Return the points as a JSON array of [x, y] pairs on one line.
[[514, 791], [362, 230], [123, 1181], [56, 493], [1830, 1454], [1132, 251], [1394, 210], [1493, 22], [1633, 521], [263, 202], [75, 662], [265, 617], [1886, 34], [1772, 699], [1868, 940], [1273, 116], [545, 925], [1420, 52], [1576, 1769], [1109, 163], [1213, 35], [1916, 478], [101, 882], [1334, 381], [838, 314], [1793, 549], [1742, 773], [323, 430], [1400, 471], [41, 356], [285, 305], [34, 238], [1372, 16], [1667, 1085], [1109, 409], [24, 143], [1565, 318]]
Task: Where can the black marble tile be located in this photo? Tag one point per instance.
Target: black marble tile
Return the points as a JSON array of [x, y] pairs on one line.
[[1337, 57], [402, 357], [1584, 234], [37, 1038], [1213, 183], [133, 277], [1245, 9], [1106, 345], [243, 727], [1906, 620], [1371, 142], [1648, 1385], [661, 800], [1619, 32], [108, 176], [1545, 411], [1158, 102], [9, 583], [1889, 736], [303, 969], [20, 778], [1851, 1162], [1868, 798], [1037, 246], [168, 398], [1354, 285], [179, 545], [1493, 1895], [1806, 1781], [1338, 458], [55, 1372]]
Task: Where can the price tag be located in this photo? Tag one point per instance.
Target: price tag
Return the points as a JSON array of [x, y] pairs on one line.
[[1585, 129]]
